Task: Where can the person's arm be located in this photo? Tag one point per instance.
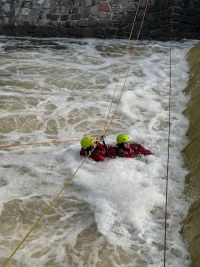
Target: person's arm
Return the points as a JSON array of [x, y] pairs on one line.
[[138, 149], [144, 151], [83, 152]]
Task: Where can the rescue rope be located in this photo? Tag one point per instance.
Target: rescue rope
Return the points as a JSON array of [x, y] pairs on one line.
[[39, 143], [45, 211], [127, 47], [169, 135], [127, 73], [70, 180]]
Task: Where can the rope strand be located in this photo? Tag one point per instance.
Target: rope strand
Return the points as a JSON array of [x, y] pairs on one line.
[[128, 69], [39, 143], [45, 211], [169, 135], [127, 47], [56, 197]]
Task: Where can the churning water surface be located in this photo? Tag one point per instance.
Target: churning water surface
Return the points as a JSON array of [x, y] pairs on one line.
[[113, 213]]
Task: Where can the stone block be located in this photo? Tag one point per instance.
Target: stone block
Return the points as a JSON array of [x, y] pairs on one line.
[[53, 17], [76, 32], [25, 11], [119, 21], [42, 22], [73, 23], [93, 21], [88, 32], [154, 2], [99, 32], [75, 16], [17, 10], [74, 10], [111, 31], [47, 4], [42, 16], [104, 15], [153, 9], [191, 12], [27, 4], [85, 12], [88, 2], [152, 17], [143, 4], [67, 24], [82, 23], [36, 11], [104, 7], [124, 3], [116, 9], [6, 7], [130, 8], [194, 20], [96, 2], [114, 2], [165, 15], [151, 25], [64, 17], [120, 32], [165, 4], [130, 18], [6, 20], [94, 10], [40, 2]]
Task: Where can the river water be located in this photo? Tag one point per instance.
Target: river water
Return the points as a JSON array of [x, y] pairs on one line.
[[113, 213]]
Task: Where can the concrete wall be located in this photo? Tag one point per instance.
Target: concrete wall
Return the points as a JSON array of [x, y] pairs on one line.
[[97, 18]]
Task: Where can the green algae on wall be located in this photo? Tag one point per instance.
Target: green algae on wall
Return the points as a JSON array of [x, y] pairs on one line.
[[191, 224]]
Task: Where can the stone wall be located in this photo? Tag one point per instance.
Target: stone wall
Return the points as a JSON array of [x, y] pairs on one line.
[[191, 228], [97, 18]]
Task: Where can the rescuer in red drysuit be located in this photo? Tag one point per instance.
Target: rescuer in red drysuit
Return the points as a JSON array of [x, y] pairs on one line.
[[94, 149], [99, 152], [130, 150]]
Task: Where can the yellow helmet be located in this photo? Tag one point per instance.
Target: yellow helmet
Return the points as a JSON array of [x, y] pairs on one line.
[[87, 141], [123, 138]]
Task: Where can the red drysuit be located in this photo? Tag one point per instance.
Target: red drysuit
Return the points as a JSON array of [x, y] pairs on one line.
[[98, 154], [133, 151], [101, 151]]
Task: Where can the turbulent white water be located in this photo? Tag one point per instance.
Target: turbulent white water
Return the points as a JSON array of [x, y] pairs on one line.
[[113, 213]]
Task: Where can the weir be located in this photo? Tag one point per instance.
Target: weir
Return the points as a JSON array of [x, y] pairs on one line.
[[113, 213], [103, 19]]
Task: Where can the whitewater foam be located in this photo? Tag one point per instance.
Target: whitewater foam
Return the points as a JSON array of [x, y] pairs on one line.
[[64, 93]]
